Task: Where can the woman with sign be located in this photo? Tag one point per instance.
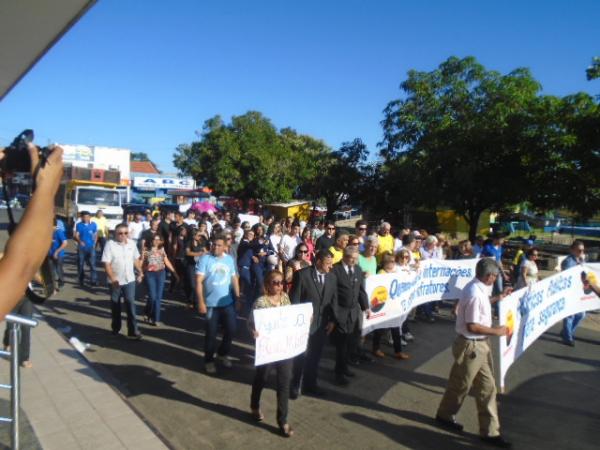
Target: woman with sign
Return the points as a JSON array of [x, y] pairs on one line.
[[274, 297]]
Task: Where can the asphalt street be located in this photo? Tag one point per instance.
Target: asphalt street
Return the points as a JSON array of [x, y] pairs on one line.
[[552, 397]]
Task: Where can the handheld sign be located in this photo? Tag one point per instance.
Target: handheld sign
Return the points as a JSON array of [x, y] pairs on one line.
[[282, 332]]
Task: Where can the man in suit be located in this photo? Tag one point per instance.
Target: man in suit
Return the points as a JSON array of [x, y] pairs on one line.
[[315, 284], [348, 307]]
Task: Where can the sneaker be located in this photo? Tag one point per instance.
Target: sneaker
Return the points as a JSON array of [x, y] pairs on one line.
[[408, 336], [134, 337], [210, 368], [403, 342], [496, 441], [225, 361]]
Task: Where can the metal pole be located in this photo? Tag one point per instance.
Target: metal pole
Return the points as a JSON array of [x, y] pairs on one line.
[[15, 392]]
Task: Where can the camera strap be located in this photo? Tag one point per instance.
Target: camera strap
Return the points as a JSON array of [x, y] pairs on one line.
[[11, 219]]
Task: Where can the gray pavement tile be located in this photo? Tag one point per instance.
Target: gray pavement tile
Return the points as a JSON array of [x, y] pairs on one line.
[[60, 441], [48, 424], [95, 435], [152, 443]]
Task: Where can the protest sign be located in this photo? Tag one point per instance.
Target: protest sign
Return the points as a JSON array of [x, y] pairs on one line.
[[251, 219], [282, 332], [392, 296], [529, 312]]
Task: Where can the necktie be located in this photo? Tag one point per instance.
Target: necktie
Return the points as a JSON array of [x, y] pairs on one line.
[[351, 273]]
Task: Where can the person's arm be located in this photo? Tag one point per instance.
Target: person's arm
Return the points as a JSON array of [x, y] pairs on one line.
[[476, 328], [77, 238], [169, 266], [111, 275], [499, 297], [28, 246], [235, 284], [62, 246], [200, 293]]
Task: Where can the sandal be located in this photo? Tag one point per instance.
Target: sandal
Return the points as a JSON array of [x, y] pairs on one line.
[[286, 430], [257, 415]]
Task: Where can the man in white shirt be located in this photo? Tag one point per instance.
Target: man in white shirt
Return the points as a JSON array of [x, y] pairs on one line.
[[287, 246], [473, 356], [136, 228], [120, 258]]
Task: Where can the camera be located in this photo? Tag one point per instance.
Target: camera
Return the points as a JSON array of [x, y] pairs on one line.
[[16, 155]]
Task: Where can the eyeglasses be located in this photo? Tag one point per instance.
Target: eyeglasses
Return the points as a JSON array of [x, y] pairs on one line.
[[355, 243], [405, 256], [362, 228], [123, 233], [277, 282], [302, 251], [331, 228]]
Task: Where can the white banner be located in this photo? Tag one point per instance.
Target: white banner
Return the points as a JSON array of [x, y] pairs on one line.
[[392, 296], [282, 332], [530, 311], [251, 219]]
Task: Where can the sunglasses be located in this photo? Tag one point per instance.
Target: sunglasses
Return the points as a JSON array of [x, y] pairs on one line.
[[277, 282], [302, 251], [331, 228], [123, 233], [362, 228]]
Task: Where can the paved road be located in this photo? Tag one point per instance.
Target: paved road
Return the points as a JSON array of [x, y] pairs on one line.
[[552, 400]]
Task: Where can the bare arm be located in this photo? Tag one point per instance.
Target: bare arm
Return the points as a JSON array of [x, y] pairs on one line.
[[110, 274], [169, 265], [200, 294], [28, 246], [476, 328]]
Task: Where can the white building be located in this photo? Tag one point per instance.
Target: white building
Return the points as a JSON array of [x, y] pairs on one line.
[[97, 157]]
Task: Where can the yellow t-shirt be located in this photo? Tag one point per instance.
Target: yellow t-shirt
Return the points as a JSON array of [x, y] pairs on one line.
[[337, 254], [102, 225], [386, 245]]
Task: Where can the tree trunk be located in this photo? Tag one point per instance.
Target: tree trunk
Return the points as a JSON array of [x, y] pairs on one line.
[[472, 218]]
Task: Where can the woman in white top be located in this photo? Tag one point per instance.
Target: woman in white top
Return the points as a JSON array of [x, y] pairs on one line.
[[528, 272]]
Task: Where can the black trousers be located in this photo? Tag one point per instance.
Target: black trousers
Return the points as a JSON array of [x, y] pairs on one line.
[[342, 342], [24, 308], [284, 374], [307, 363], [396, 338]]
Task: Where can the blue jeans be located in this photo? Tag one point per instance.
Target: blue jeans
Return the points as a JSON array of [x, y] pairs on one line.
[[569, 325], [226, 316], [87, 255], [128, 293], [156, 284]]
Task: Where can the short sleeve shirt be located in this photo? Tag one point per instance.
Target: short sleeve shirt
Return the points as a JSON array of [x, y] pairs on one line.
[[58, 237], [217, 279], [135, 230], [368, 265], [121, 258], [474, 307], [87, 233]]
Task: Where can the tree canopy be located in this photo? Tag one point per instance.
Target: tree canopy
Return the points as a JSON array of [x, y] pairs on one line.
[[472, 139]]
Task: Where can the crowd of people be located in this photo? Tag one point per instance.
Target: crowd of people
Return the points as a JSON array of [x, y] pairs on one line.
[[225, 268]]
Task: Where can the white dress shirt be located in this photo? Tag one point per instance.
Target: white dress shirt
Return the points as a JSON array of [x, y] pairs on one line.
[[474, 306]]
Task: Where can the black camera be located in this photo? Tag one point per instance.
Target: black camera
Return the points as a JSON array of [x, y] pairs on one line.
[[16, 155]]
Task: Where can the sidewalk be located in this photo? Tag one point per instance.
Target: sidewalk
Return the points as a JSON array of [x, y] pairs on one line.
[[70, 407]]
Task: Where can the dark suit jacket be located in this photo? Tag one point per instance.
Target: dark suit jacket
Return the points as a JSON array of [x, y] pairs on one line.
[[351, 298], [305, 288]]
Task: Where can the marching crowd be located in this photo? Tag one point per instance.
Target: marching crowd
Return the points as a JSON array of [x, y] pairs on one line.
[[225, 267]]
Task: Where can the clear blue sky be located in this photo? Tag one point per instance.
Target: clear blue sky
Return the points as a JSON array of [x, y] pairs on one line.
[[146, 74]]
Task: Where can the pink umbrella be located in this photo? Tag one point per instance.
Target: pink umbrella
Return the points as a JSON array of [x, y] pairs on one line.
[[204, 207]]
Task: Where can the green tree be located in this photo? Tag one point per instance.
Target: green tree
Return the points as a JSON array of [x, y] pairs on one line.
[[250, 159], [342, 176], [593, 71], [456, 138], [139, 156]]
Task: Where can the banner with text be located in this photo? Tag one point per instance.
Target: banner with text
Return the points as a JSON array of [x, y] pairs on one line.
[[282, 332], [529, 312], [392, 296]]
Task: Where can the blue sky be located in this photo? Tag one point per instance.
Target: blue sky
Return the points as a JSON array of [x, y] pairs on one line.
[[146, 74]]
